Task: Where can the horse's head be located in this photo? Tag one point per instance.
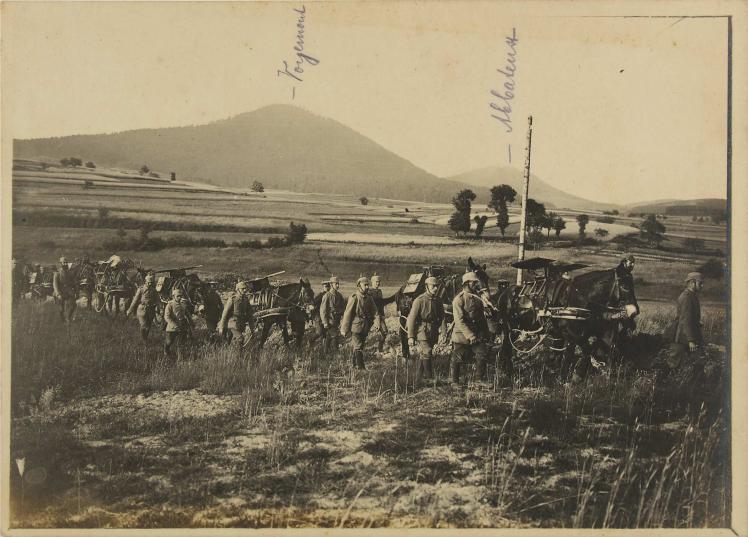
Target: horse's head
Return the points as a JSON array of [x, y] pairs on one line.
[[596, 288], [480, 271], [306, 296]]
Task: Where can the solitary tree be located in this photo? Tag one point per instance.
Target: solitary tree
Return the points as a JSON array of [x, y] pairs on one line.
[[535, 216], [601, 232], [559, 224], [65, 162], [582, 220], [144, 169], [364, 200], [500, 196], [296, 233], [460, 219], [548, 222], [652, 230], [480, 224], [258, 187], [90, 164]]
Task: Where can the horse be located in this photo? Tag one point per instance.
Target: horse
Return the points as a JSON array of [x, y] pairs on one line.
[[113, 285], [584, 312], [289, 303], [86, 278]]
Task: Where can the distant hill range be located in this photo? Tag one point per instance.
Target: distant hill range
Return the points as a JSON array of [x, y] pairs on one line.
[[283, 147], [539, 189], [288, 148], [697, 207]]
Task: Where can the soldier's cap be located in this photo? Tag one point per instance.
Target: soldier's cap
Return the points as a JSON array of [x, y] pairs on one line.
[[63, 259], [469, 277], [362, 280], [241, 285], [695, 276], [333, 279], [629, 257], [432, 281]]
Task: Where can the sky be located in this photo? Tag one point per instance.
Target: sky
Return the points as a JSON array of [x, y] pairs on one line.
[[624, 109]]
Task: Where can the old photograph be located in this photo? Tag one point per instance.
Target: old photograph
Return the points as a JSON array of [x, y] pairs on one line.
[[368, 265]]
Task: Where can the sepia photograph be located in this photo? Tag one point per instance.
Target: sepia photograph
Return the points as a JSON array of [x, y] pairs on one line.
[[374, 265]]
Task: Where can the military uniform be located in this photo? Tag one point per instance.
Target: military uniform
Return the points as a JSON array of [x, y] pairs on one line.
[[331, 312], [687, 328], [145, 300], [66, 289], [380, 325], [178, 325], [358, 320], [468, 334], [237, 314], [425, 317]]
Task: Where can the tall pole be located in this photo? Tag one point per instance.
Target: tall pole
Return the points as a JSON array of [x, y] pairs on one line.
[[525, 192]]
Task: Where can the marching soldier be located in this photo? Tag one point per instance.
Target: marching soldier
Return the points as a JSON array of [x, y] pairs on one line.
[[424, 319], [358, 320], [688, 338], [238, 314], [145, 300], [376, 293], [331, 312], [319, 330], [178, 322], [470, 329], [65, 289], [626, 288]]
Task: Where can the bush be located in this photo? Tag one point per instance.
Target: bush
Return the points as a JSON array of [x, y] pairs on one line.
[[144, 169], [90, 164], [414, 220], [605, 219], [276, 242], [296, 234], [713, 268], [364, 200], [154, 174], [87, 185], [253, 244], [103, 212], [600, 232], [258, 187]]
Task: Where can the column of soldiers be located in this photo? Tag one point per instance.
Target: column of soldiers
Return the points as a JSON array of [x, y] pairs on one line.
[[364, 311]]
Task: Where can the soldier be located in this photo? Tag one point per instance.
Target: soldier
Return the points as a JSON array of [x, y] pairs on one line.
[[145, 300], [331, 312], [381, 326], [470, 329], [319, 330], [178, 322], [65, 289], [424, 319], [626, 290], [358, 320], [688, 338], [238, 313], [20, 281]]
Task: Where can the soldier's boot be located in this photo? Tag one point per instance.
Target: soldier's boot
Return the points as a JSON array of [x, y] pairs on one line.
[[479, 375], [454, 372], [429, 369]]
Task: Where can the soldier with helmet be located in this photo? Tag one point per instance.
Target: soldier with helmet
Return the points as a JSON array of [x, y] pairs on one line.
[[425, 317], [178, 322], [331, 312], [65, 289], [237, 314], [358, 320], [145, 301], [376, 293], [470, 330], [319, 330], [627, 294], [688, 338]]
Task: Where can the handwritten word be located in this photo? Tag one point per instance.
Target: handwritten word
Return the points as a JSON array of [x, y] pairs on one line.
[[301, 57], [507, 94]]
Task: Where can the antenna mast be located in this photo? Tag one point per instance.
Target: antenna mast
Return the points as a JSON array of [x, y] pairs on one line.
[[526, 189]]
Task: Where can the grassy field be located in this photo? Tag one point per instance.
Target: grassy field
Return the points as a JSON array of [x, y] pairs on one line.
[[114, 436]]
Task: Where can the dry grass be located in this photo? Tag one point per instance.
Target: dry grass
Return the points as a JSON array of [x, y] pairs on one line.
[[113, 435]]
